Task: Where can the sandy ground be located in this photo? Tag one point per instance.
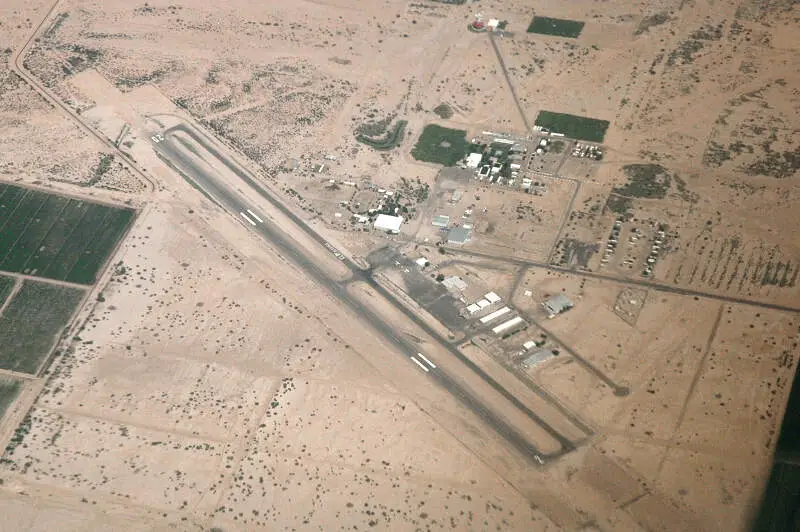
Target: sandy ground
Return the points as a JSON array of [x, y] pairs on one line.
[[213, 385]]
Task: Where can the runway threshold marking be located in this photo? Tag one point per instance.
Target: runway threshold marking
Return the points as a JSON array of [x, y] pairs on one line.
[[431, 364], [420, 364], [247, 218], [254, 215]]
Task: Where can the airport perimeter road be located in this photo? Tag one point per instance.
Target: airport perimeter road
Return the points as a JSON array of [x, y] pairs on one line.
[[185, 159]]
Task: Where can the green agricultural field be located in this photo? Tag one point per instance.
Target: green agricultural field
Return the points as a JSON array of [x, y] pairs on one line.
[[441, 145], [9, 390], [31, 323], [57, 237], [556, 26], [6, 287], [574, 127]]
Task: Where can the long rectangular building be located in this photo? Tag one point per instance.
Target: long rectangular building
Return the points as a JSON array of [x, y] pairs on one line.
[[494, 315], [507, 325]]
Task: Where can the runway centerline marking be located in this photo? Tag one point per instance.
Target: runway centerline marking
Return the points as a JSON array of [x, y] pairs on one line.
[[247, 218], [420, 364], [431, 364], [254, 215]]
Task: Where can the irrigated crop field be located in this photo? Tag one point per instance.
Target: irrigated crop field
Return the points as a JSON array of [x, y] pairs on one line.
[[31, 323], [55, 236], [6, 287], [556, 26], [9, 390], [441, 145]]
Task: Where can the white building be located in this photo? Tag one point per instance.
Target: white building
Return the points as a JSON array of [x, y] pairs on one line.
[[454, 283], [513, 322], [494, 315], [473, 308], [491, 297], [474, 159], [390, 224]]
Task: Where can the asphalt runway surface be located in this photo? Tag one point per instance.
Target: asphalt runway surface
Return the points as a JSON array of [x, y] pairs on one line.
[[178, 153]]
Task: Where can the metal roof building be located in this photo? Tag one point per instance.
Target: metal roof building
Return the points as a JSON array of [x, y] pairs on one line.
[[491, 297], [513, 322], [459, 235], [440, 220], [474, 159], [557, 304], [494, 315], [537, 357], [454, 282], [391, 224]]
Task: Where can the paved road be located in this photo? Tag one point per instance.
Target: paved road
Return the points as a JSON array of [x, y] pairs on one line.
[[17, 65], [177, 151], [510, 84], [624, 280]]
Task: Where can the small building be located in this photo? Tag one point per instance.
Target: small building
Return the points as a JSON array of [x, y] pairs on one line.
[[473, 308], [459, 235], [454, 283], [491, 297], [440, 220], [474, 160], [456, 196], [530, 344], [557, 304], [537, 357], [422, 262], [482, 303], [493, 23]]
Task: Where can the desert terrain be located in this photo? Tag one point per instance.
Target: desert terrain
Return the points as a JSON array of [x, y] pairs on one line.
[[210, 382]]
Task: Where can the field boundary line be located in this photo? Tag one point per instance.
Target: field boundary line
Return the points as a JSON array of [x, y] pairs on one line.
[[26, 277], [77, 413], [11, 295], [18, 375]]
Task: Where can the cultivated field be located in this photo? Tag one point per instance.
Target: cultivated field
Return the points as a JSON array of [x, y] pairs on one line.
[[6, 287], [56, 237], [31, 323], [9, 389]]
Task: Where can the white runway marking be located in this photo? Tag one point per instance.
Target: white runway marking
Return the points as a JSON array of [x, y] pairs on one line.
[[254, 215], [431, 364], [420, 364], [248, 219]]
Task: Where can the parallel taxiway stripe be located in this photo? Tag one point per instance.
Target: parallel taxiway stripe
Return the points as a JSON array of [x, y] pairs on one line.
[[254, 215], [431, 364], [248, 219], [420, 364]]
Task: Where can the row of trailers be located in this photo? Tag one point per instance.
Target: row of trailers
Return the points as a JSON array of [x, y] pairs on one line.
[[484, 306]]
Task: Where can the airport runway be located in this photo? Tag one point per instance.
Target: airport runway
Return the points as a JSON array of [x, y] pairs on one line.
[[178, 153]]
